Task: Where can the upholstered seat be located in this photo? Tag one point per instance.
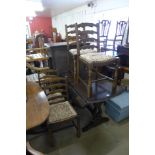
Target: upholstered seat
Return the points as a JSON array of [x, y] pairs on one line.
[[83, 51], [60, 112], [100, 58]]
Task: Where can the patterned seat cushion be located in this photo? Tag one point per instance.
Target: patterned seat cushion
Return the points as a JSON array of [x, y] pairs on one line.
[[83, 51], [101, 58], [60, 112]]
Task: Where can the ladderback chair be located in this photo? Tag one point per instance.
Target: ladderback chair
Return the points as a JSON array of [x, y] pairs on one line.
[[89, 44], [93, 59], [104, 32], [61, 110], [118, 38], [84, 42], [38, 55]]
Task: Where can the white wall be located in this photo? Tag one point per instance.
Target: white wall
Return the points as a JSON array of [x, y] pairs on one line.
[[86, 14]]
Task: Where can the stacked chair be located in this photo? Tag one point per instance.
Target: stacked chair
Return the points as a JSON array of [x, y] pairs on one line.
[[73, 47], [88, 54], [61, 110]]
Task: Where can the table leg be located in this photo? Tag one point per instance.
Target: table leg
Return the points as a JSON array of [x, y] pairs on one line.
[[97, 117]]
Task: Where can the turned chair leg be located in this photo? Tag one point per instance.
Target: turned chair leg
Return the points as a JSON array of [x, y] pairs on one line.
[[51, 138], [114, 85], [89, 82], [74, 72], [78, 126], [78, 69]]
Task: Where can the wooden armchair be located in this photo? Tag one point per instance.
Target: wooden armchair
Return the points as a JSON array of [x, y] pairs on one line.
[[61, 111], [39, 73], [38, 55]]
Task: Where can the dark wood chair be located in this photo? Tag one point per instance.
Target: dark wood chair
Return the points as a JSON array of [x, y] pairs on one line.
[[104, 32], [118, 38], [61, 110]]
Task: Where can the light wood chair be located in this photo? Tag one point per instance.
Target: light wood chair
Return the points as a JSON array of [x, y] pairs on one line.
[[39, 55], [39, 73], [73, 45], [61, 110], [93, 59]]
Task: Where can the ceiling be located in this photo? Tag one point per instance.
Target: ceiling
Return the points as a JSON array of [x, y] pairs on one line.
[[51, 7]]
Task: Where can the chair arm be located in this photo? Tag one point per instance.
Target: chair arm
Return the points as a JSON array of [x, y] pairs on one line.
[[41, 70]]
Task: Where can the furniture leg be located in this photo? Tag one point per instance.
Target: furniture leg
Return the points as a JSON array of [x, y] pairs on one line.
[[78, 69], [74, 72], [78, 126], [89, 90], [114, 85], [96, 83], [97, 118], [51, 138]]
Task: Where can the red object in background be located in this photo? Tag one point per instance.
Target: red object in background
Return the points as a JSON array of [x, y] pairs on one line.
[[40, 23]]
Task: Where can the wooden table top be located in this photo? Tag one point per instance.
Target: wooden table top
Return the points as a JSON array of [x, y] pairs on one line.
[[37, 107]]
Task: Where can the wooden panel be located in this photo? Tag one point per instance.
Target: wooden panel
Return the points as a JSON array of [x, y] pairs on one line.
[[37, 107]]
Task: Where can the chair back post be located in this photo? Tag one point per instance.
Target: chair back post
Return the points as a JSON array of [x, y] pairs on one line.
[[66, 82], [78, 52], [68, 62], [98, 36]]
